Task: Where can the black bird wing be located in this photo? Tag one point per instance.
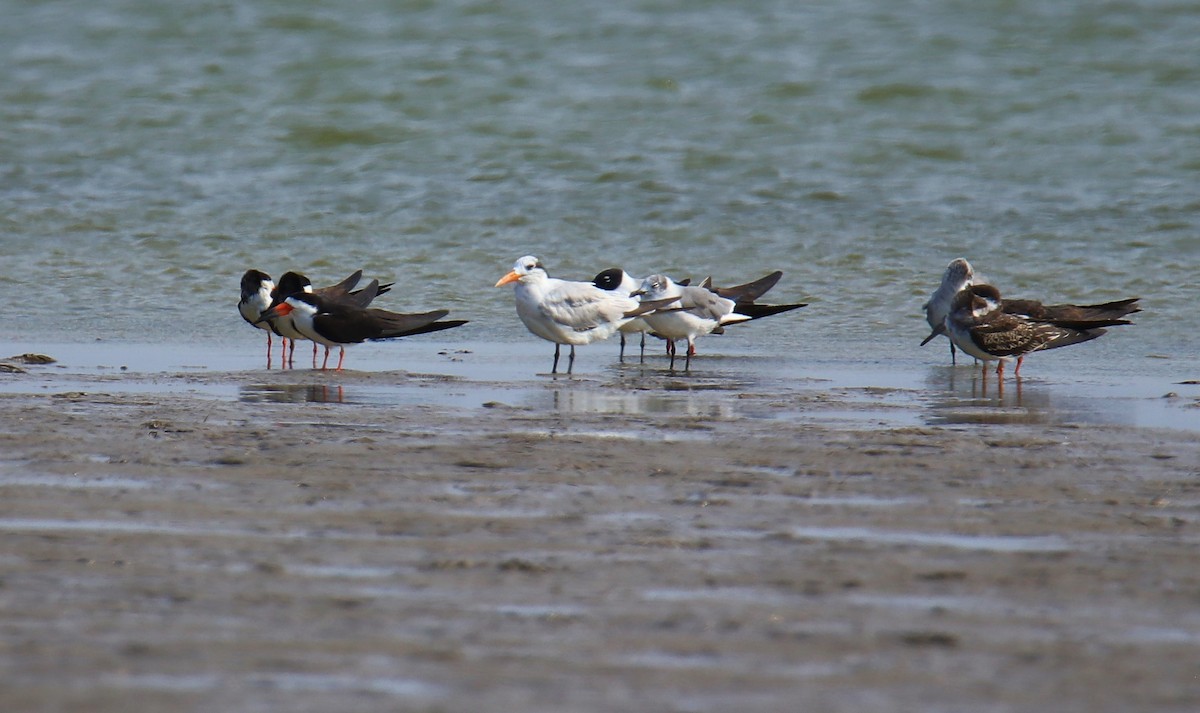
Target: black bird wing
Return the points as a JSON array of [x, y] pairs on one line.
[[342, 288], [1108, 312], [426, 329], [748, 292], [755, 311], [394, 324], [366, 295], [940, 329], [344, 322]]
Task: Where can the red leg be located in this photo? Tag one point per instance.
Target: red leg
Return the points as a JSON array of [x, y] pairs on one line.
[[1017, 371], [341, 358], [1000, 368]]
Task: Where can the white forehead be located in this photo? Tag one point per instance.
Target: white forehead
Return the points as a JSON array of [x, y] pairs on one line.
[[959, 268], [654, 282], [629, 283], [526, 263]]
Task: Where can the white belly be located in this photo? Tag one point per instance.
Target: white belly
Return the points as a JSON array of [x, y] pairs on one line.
[[679, 325]]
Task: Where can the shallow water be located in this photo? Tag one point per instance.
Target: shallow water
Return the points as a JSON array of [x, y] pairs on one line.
[[722, 387], [154, 151]]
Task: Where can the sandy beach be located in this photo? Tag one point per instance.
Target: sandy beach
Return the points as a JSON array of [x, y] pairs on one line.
[[168, 547], [822, 516]]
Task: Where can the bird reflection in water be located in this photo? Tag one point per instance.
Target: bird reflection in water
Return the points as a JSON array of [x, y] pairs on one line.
[[977, 396], [644, 403], [292, 393]]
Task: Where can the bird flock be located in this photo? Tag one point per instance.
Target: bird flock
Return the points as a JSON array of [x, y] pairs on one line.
[[965, 309], [989, 327], [331, 316]]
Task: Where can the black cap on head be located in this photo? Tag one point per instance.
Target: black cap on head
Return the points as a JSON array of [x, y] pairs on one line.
[[253, 280], [610, 279], [291, 283]]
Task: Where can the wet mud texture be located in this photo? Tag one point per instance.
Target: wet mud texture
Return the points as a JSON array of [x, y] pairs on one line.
[[173, 552]]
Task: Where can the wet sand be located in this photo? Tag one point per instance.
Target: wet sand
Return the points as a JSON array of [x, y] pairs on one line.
[[241, 541]]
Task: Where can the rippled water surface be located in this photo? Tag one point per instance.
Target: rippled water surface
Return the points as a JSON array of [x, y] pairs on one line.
[[151, 152]]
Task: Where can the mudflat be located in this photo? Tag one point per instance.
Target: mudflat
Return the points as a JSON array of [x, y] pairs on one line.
[[170, 550]]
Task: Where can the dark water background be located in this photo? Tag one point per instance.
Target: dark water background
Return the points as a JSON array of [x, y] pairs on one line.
[[150, 152]]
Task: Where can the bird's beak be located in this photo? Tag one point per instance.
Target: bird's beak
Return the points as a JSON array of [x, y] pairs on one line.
[[512, 276], [637, 293], [936, 331], [277, 311]]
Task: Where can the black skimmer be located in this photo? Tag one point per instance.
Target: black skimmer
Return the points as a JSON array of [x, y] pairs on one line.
[[291, 283], [338, 322], [567, 312], [256, 297], [960, 276], [955, 279], [979, 324], [689, 312], [744, 297]]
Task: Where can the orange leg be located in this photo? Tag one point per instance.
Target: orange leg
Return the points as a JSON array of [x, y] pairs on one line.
[[1017, 371], [341, 358]]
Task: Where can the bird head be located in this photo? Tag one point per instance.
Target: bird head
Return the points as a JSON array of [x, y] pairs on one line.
[[528, 267]]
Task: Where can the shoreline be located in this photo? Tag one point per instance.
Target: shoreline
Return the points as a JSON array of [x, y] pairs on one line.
[[725, 385]]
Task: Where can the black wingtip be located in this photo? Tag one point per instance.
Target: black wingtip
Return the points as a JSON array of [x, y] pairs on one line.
[[425, 329], [754, 310]]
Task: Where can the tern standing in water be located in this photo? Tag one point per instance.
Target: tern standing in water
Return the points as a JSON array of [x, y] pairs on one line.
[[567, 312]]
